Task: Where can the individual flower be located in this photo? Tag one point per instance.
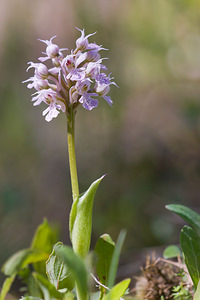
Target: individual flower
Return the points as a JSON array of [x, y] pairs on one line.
[[82, 42], [77, 78], [51, 98]]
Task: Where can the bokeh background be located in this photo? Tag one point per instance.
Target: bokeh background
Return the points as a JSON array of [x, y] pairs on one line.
[[148, 143]]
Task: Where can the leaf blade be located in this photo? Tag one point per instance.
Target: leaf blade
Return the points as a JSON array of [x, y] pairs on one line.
[[103, 250], [6, 286], [57, 272], [187, 214], [118, 290], [190, 244], [81, 220], [115, 259], [77, 268], [21, 259]]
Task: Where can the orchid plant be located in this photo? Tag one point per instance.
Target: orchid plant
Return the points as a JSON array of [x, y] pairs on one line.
[[51, 270]]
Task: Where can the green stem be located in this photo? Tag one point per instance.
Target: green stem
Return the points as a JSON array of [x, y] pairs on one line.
[[71, 151], [80, 295]]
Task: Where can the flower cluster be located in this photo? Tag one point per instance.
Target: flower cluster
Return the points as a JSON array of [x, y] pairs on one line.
[[77, 78]]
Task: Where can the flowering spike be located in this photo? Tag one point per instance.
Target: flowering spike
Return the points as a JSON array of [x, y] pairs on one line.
[[74, 79]]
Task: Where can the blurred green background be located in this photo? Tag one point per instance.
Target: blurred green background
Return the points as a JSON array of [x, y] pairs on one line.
[[148, 143]]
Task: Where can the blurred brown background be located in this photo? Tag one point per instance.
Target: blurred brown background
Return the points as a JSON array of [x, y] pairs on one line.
[[148, 143]]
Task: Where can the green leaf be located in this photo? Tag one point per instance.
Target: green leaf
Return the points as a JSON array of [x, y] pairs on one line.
[[190, 244], [47, 287], [172, 251], [118, 290], [115, 259], [33, 286], [77, 268], [58, 272], [29, 298], [6, 286], [104, 251], [187, 214], [197, 293], [44, 239], [21, 259], [81, 220]]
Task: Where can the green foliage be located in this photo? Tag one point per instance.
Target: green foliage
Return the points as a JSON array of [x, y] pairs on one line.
[[118, 290], [104, 252], [115, 259], [171, 252], [21, 259], [6, 286], [57, 272], [81, 220], [187, 214], [36, 256], [44, 239], [77, 268], [48, 289], [197, 293], [190, 244], [190, 240], [181, 293]]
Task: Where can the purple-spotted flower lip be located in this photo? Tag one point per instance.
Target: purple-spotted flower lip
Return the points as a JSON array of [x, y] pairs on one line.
[[77, 78]]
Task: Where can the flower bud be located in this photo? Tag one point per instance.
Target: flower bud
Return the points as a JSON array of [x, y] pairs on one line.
[[42, 71], [40, 84], [52, 50]]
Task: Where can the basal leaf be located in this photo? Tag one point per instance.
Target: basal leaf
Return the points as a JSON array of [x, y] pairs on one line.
[[103, 252], [190, 244], [58, 272], [197, 293], [118, 290], [115, 259], [21, 259], [6, 286], [187, 214], [44, 238], [171, 251], [47, 287], [77, 268], [81, 220]]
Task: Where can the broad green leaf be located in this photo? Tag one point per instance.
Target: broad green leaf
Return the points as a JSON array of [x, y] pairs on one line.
[[21, 259], [197, 293], [187, 214], [81, 220], [57, 271], [44, 239], [118, 290], [6, 286], [115, 259], [104, 251], [171, 251], [46, 287], [77, 268], [190, 244]]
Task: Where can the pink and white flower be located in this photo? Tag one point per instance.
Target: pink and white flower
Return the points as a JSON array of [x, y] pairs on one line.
[[74, 79]]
